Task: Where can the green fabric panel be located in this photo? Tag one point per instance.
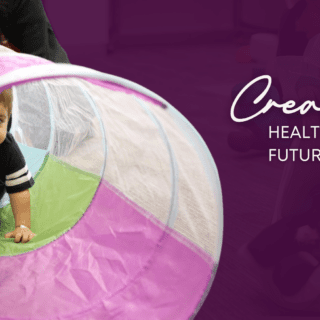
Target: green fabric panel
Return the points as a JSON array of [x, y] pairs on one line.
[[60, 196]]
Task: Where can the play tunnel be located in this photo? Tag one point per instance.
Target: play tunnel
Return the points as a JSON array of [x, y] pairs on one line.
[[126, 206]]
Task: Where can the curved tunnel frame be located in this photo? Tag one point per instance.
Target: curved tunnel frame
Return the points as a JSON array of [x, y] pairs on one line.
[[173, 164], [5, 200], [96, 111], [65, 70]]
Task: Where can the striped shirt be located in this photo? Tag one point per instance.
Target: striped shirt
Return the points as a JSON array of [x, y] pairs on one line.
[[14, 173]]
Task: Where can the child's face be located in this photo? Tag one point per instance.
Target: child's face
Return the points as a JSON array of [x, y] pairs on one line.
[[3, 122]]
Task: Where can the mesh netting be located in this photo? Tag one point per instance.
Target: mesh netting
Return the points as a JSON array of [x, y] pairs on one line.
[[126, 204]]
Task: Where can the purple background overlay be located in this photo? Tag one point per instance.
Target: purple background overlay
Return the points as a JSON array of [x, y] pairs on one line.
[[198, 55]]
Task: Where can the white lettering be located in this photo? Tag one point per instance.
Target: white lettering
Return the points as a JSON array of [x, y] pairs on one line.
[[270, 132], [302, 157], [284, 131], [256, 101], [270, 153], [315, 131], [294, 154], [295, 132], [286, 158], [314, 154], [304, 133], [288, 107]]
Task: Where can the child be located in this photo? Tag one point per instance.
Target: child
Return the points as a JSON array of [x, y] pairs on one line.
[[15, 178]]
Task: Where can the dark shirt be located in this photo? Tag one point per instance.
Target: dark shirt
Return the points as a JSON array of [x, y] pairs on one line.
[[25, 24], [14, 173]]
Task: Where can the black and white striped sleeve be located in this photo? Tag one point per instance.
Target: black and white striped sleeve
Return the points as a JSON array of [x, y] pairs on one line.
[[18, 176]]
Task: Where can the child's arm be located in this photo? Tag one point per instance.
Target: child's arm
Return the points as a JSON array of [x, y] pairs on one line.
[[18, 182], [20, 203]]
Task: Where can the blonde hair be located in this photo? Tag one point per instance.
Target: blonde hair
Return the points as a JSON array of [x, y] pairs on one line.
[[6, 98]]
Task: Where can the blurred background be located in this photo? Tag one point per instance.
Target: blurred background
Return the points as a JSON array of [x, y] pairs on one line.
[[122, 23], [193, 54]]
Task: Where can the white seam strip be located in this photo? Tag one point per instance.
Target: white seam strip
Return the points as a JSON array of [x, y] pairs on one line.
[[13, 183], [17, 174]]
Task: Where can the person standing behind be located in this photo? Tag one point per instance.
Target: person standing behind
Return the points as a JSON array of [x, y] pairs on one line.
[[27, 29]]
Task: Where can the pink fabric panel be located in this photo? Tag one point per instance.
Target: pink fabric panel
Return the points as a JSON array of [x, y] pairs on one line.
[[108, 266], [11, 63], [117, 87]]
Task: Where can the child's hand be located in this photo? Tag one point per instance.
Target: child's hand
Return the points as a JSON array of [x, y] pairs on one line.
[[20, 234]]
